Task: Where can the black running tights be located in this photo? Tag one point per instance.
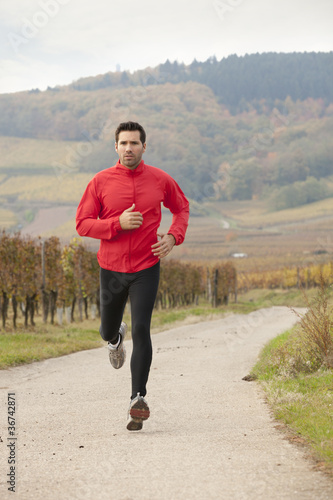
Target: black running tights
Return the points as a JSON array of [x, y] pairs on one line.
[[141, 287]]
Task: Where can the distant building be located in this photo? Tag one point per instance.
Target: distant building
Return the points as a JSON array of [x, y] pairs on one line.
[[239, 255]]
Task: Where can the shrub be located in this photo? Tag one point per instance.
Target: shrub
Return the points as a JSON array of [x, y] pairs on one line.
[[316, 329]]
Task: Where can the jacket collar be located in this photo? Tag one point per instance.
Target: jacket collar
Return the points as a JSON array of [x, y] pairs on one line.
[[128, 171]]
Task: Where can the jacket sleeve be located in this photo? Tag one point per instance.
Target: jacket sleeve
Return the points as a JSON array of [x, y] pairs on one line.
[[88, 222], [177, 203]]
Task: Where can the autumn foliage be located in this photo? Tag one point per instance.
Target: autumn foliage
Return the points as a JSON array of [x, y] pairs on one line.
[[44, 276], [35, 272], [307, 276]]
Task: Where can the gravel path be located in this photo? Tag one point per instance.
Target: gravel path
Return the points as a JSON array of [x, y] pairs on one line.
[[210, 434]]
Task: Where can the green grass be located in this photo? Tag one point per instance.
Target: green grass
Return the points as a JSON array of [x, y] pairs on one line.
[[277, 297], [43, 342], [167, 317], [303, 401]]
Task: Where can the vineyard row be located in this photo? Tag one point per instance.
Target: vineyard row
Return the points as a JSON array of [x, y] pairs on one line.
[[42, 276]]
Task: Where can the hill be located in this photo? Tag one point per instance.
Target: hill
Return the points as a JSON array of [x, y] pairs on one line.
[[237, 80], [211, 152]]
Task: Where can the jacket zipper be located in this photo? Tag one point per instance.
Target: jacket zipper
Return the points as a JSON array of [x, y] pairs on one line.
[[130, 242]]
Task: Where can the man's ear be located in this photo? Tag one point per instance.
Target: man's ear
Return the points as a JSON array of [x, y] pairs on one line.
[[116, 147], [144, 147]]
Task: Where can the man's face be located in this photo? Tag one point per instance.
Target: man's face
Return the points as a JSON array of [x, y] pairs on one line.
[[130, 148]]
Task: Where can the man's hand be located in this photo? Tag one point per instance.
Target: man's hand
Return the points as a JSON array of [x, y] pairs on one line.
[[129, 219], [163, 247]]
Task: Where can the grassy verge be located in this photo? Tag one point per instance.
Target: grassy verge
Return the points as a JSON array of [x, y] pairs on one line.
[[296, 371], [26, 345], [46, 341]]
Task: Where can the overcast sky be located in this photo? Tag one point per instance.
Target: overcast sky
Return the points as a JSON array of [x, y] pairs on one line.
[[54, 42]]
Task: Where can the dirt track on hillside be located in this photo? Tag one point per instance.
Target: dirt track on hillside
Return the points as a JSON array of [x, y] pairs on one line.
[[210, 435]]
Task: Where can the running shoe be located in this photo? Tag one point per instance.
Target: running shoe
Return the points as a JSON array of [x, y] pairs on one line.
[[117, 355], [137, 413]]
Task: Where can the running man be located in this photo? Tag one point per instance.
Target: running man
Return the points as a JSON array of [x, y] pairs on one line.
[[121, 207]]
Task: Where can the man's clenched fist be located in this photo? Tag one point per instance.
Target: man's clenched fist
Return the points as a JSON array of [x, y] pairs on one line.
[[130, 219]]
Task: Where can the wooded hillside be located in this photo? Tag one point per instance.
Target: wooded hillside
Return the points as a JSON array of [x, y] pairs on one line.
[[237, 80], [253, 127]]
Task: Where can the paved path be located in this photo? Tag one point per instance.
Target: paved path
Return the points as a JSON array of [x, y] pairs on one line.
[[210, 435]]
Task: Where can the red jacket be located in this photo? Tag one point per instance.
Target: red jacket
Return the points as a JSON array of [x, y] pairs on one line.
[[114, 190]]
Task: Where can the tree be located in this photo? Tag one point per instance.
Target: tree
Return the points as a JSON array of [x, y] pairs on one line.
[[52, 276]]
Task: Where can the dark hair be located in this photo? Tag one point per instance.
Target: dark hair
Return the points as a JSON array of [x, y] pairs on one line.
[[131, 127]]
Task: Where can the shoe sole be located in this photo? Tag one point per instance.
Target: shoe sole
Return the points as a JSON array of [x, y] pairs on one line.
[[140, 410], [117, 366], [138, 413], [134, 425]]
